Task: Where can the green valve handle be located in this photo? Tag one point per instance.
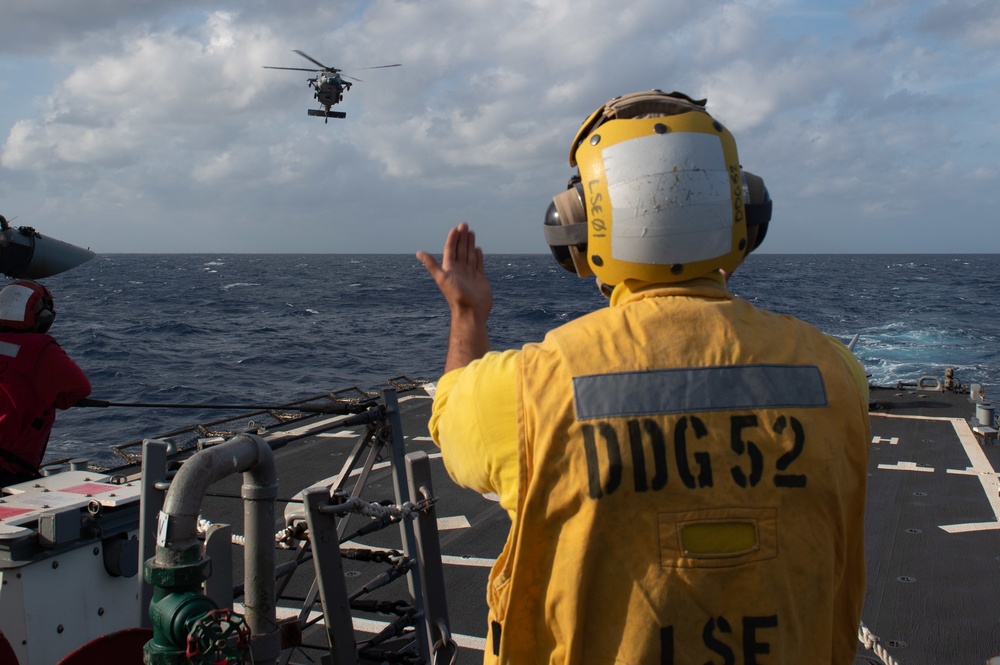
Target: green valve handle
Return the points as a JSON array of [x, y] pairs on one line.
[[220, 636]]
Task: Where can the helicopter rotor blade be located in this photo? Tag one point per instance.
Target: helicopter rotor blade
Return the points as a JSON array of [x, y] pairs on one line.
[[313, 60], [361, 68], [294, 69], [378, 67]]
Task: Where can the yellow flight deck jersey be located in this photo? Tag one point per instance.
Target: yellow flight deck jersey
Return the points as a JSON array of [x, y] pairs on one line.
[[685, 476]]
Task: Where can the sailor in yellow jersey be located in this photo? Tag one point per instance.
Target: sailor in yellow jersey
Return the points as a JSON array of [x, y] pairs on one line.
[[685, 474]]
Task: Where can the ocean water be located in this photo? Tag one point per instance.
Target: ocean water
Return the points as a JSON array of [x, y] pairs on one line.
[[268, 329]]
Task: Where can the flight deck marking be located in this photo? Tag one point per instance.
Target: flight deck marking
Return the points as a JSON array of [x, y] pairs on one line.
[[330, 480], [452, 523], [969, 471], [448, 559], [342, 434], [306, 429], [444, 523], [472, 561], [906, 466], [366, 625], [981, 467], [987, 478], [892, 441], [357, 472]]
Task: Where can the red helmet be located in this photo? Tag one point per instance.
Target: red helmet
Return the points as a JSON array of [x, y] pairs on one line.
[[26, 306]]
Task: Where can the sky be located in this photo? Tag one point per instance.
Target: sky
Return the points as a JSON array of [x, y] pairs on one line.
[[153, 127]]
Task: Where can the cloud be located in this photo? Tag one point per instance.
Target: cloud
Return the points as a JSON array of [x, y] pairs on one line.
[[972, 22], [159, 118]]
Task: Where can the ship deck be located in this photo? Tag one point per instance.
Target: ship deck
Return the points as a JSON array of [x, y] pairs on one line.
[[932, 531], [932, 528], [472, 528]]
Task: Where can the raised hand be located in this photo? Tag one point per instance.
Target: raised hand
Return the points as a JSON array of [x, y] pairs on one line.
[[462, 280]]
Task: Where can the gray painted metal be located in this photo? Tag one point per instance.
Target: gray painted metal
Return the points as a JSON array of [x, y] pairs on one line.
[[414, 579], [330, 580], [697, 389], [178, 529], [418, 474], [219, 548], [154, 477]]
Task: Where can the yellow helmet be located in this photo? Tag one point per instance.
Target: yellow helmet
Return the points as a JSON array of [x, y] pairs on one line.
[[659, 195]]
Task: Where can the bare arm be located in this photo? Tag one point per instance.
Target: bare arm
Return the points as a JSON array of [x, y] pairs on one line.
[[462, 281]]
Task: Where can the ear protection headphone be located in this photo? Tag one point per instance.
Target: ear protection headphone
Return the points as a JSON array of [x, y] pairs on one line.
[[758, 206], [566, 229], [571, 215], [45, 316], [565, 224]]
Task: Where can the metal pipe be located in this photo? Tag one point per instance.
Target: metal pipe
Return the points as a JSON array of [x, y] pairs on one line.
[[178, 529]]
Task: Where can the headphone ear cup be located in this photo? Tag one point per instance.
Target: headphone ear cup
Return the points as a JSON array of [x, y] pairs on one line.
[[569, 204], [758, 210], [571, 211], [44, 319], [45, 315], [559, 251]]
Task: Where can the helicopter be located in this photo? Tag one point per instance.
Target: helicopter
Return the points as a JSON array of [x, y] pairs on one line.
[[330, 85]]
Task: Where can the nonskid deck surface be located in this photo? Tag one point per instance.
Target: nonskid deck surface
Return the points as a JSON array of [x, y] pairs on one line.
[[932, 532], [472, 528], [932, 529]]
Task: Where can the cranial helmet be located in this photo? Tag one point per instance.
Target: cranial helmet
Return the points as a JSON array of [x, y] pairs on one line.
[[659, 195], [26, 306]]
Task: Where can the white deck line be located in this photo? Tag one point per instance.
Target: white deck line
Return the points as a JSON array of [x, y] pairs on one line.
[[905, 417], [330, 480], [981, 468], [906, 466], [472, 561], [367, 625], [987, 478]]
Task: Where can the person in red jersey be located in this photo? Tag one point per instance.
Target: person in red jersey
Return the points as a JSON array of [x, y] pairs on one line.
[[36, 378]]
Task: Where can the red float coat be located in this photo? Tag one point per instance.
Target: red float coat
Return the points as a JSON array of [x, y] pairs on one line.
[[36, 378]]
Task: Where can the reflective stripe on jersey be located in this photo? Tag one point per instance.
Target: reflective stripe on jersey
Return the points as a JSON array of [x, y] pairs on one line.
[[697, 389]]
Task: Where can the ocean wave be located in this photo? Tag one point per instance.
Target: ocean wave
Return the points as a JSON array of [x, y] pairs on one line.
[[204, 328]]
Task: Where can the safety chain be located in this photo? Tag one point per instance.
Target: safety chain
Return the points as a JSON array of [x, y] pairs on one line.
[[373, 556], [367, 648], [873, 644], [397, 607], [399, 568], [383, 656], [382, 514], [353, 504]]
